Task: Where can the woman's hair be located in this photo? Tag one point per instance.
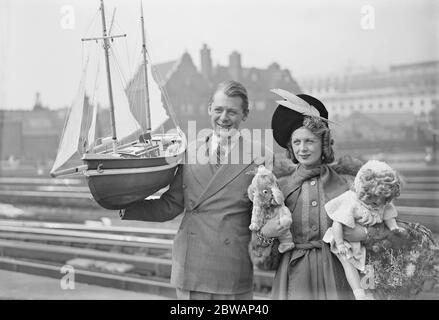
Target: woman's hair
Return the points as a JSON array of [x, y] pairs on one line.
[[383, 184], [318, 127], [233, 89]]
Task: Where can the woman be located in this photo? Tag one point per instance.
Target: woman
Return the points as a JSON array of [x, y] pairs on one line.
[[310, 270]]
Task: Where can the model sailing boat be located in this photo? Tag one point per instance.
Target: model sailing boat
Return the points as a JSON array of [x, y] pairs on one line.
[[136, 162]]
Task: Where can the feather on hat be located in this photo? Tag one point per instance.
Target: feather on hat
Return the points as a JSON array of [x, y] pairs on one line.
[[291, 112]]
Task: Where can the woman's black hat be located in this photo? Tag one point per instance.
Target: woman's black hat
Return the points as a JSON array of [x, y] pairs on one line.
[[291, 112]]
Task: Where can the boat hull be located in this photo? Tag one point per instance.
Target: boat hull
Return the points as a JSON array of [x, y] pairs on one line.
[[117, 183]]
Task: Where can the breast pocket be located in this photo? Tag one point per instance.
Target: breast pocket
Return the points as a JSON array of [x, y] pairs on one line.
[[236, 225]]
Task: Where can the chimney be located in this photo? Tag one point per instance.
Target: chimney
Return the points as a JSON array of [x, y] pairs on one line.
[[235, 65], [206, 62], [38, 105]]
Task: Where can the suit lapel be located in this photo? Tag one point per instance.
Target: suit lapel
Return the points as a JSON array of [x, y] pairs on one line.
[[201, 175], [201, 172], [226, 173]]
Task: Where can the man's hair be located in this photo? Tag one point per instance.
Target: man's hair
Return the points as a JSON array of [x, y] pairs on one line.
[[318, 127], [233, 89]]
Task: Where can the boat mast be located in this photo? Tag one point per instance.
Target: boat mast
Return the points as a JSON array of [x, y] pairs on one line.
[[107, 64], [106, 39], [145, 69]]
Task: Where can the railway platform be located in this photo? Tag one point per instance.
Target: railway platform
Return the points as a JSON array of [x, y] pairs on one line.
[[46, 224], [22, 286]]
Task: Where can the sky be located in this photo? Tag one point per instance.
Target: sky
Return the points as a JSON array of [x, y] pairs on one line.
[[41, 50]]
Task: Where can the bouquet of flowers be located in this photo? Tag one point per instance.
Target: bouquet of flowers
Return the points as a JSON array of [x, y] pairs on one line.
[[402, 261]]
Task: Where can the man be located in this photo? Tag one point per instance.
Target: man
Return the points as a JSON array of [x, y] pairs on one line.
[[210, 252]]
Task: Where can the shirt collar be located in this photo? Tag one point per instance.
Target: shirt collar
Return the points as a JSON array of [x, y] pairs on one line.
[[233, 139]]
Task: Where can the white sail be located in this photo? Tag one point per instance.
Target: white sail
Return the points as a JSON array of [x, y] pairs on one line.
[[137, 96], [126, 123], [92, 130], [91, 135], [72, 129], [158, 112]]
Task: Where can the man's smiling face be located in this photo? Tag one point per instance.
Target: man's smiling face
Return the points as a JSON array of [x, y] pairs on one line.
[[226, 113]]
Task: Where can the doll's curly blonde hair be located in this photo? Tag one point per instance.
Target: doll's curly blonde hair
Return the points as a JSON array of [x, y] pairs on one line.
[[318, 127], [376, 179]]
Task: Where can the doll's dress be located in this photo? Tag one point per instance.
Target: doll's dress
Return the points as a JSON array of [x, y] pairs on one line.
[[347, 209]]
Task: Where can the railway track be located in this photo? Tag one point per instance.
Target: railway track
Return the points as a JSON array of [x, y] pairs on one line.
[[419, 201], [72, 192], [117, 257], [137, 259], [419, 191]]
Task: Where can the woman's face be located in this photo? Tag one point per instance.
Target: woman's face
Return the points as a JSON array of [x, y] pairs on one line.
[[307, 147]]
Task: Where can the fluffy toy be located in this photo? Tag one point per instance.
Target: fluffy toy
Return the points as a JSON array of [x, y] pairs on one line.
[[268, 204]]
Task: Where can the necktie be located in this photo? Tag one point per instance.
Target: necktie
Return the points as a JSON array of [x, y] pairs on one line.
[[220, 155]]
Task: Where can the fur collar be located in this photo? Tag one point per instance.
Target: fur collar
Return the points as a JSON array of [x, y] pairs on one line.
[[345, 165]]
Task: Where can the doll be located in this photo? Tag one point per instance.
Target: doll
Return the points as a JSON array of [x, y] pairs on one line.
[[268, 203], [376, 185]]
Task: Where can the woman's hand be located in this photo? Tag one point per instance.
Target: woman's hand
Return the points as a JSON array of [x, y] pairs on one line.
[[399, 229], [342, 249], [367, 219], [272, 229], [364, 234], [392, 225], [356, 234]]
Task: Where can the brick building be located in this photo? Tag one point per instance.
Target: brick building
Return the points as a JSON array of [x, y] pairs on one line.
[[34, 135], [30, 134], [189, 89]]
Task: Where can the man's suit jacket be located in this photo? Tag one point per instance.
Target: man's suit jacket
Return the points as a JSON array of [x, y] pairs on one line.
[[210, 251]]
